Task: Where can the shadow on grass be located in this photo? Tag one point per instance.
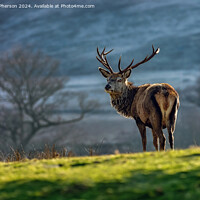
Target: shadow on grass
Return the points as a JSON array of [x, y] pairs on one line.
[[140, 185], [191, 155]]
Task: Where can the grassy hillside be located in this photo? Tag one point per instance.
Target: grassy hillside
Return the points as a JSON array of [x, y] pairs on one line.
[[163, 176]]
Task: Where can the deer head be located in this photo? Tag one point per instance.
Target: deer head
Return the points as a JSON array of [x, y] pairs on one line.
[[117, 81]]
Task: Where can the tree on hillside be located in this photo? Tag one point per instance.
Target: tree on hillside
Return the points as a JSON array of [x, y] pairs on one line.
[[32, 96]]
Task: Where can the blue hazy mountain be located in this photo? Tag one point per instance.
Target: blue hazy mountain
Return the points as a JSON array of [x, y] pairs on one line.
[[130, 27]]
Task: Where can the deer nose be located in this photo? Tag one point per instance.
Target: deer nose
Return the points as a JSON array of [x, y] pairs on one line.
[[107, 87]]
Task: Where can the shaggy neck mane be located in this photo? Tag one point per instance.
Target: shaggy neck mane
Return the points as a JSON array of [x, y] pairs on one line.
[[123, 102]]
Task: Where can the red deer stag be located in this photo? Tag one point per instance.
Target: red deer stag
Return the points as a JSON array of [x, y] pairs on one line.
[[152, 105]]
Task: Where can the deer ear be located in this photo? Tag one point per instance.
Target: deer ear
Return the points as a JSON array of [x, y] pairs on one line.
[[104, 72], [127, 73]]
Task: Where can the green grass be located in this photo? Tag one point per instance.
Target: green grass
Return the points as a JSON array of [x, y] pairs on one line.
[[153, 175]]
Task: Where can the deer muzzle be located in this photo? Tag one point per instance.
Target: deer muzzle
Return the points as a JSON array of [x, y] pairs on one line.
[[107, 87]]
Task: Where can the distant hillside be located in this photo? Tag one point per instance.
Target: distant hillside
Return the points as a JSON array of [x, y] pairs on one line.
[[167, 175], [130, 27]]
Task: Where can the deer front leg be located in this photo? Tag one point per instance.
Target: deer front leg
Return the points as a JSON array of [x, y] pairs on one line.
[[142, 130]]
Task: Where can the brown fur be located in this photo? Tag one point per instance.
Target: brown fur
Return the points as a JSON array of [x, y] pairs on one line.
[[151, 105]]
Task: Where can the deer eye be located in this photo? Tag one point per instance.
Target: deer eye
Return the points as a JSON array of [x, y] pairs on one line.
[[119, 80]]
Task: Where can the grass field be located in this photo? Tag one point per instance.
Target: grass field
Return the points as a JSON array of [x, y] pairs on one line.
[[153, 175]]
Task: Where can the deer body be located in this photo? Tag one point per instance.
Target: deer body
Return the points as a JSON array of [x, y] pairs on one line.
[[152, 105]]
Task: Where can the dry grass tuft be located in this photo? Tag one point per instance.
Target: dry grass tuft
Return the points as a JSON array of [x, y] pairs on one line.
[[49, 152]]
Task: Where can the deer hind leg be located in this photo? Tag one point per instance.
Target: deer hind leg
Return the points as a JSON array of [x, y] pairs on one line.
[[157, 130], [142, 130], [162, 139], [171, 124], [155, 139], [170, 136]]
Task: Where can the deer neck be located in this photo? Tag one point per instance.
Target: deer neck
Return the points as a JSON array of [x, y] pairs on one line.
[[122, 102]]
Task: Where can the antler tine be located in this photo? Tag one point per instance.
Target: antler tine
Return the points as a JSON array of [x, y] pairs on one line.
[[103, 60], [146, 59], [131, 63], [108, 52], [98, 52], [102, 54], [153, 48], [119, 67], [153, 54]]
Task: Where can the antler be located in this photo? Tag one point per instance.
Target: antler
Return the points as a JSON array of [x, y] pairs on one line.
[[146, 59], [102, 59]]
